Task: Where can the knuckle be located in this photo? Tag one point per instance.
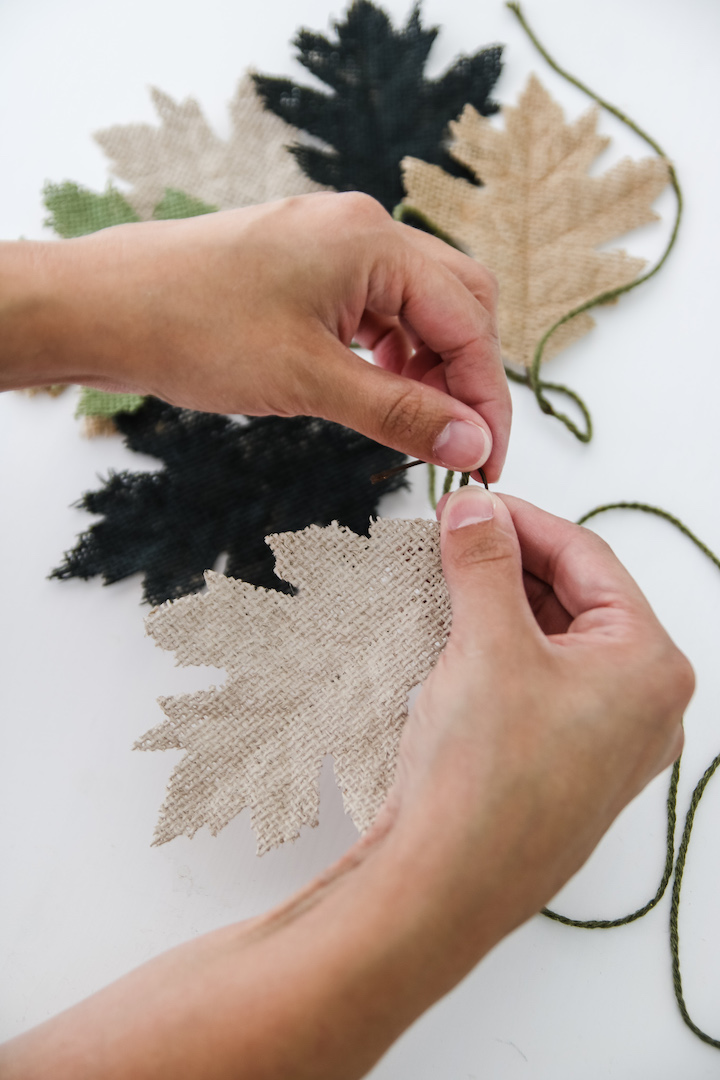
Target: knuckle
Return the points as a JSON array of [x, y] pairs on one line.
[[483, 548], [402, 417], [362, 208], [668, 678], [490, 284], [682, 677]]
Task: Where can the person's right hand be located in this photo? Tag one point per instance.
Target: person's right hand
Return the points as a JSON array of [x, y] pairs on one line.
[[558, 697]]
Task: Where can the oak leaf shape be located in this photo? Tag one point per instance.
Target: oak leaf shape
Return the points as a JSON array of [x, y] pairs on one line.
[[539, 218], [381, 106], [252, 166], [325, 671], [223, 487]]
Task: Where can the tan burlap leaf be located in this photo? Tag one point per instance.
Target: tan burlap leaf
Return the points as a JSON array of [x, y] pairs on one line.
[[53, 390], [539, 217], [185, 154], [326, 671]]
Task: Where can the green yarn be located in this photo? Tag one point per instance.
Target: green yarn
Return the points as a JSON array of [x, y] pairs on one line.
[[675, 904], [533, 379], [77, 211], [408, 215], [101, 403], [583, 435], [176, 204], [607, 924], [432, 497], [664, 514]]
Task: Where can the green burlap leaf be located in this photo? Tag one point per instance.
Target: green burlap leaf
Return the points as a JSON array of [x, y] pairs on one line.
[[77, 211]]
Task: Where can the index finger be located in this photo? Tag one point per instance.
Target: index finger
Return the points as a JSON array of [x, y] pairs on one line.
[[482, 384], [451, 321]]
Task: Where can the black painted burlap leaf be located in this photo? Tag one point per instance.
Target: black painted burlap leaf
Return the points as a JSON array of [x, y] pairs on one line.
[[383, 108], [225, 486]]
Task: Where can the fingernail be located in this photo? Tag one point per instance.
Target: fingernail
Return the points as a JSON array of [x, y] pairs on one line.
[[463, 445], [468, 506]]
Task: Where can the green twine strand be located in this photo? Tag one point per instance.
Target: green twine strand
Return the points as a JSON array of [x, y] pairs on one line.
[[539, 386], [606, 924], [533, 380], [647, 509], [675, 904]]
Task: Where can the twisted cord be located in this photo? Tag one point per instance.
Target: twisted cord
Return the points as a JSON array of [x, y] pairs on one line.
[[534, 381], [607, 924]]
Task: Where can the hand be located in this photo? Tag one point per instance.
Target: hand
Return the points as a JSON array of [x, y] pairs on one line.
[[253, 311], [558, 697]]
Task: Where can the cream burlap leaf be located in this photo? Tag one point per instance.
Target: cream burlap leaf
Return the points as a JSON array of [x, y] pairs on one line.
[[185, 154], [52, 390], [539, 218], [325, 671]]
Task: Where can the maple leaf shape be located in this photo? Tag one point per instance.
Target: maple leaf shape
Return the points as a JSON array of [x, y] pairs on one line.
[[77, 211], [184, 153], [539, 217], [326, 671], [225, 485], [382, 108], [98, 408]]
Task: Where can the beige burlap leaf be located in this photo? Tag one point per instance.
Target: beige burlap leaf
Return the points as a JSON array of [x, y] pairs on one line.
[[326, 671], [185, 154], [540, 217], [53, 390]]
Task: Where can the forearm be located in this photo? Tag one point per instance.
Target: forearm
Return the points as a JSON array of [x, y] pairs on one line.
[[28, 356], [60, 316], [319, 988]]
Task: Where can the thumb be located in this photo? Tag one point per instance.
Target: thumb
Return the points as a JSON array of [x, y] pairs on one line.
[[407, 415], [483, 567]]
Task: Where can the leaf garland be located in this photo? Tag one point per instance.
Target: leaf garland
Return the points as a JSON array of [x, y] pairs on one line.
[[224, 486], [77, 211], [252, 166], [540, 217], [325, 671], [381, 108]]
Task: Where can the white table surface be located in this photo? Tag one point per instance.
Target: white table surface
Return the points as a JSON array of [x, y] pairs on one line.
[[84, 897]]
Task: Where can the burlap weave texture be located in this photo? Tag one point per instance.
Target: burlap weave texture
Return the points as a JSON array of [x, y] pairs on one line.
[[326, 671], [540, 217], [184, 153]]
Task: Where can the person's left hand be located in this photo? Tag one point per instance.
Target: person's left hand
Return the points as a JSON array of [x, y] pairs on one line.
[[253, 311]]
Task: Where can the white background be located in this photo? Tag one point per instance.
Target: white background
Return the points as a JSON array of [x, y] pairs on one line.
[[84, 897]]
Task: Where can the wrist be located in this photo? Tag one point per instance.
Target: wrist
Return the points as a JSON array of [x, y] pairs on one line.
[[28, 309], [53, 320]]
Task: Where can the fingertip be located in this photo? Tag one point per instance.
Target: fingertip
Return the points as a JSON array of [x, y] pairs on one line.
[[468, 506], [463, 445]]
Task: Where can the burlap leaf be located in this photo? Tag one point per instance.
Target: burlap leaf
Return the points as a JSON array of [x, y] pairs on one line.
[[184, 153], [52, 390], [381, 106], [539, 218], [326, 671], [76, 211], [224, 486]]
